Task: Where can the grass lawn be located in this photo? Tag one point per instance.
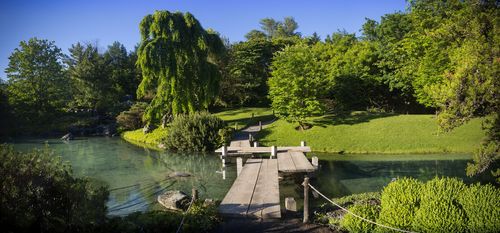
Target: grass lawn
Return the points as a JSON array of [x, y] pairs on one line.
[[361, 132], [243, 117], [150, 140]]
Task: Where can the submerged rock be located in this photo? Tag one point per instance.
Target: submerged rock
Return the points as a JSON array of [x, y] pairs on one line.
[[67, 137], [179, 174], [174, 200]]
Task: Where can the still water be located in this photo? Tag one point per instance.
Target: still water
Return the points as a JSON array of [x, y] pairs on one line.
[[136, 175]]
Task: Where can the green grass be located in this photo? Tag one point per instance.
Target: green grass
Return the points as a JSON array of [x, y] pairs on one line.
[[243, 117], [361, 132], [150, 140]]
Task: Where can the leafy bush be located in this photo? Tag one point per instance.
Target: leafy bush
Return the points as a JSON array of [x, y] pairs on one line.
[[481, 204], [195, 132], [354, 224], [400, 201], [199, 219], [359, 198], [132, 118], [440, 210], [39, 194]]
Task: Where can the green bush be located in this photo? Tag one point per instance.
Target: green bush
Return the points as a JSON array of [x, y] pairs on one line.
[[481, 204], [132, 118], [355, 224], [195, 132], [39, 194], [400, 201], [440, 210]]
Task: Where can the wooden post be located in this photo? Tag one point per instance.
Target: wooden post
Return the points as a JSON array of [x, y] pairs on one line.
[[274, 151], [306, 199], [224, 154], [235, 125], [255, 144], [315, 161], [260, 125], [253, 115], [302, 143], [239, 165], [250, 138], [194, 194]]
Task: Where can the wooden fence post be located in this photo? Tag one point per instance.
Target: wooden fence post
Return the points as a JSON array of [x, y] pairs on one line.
[[302, 143], [260, 125], [194, 194], [306, 199], [224, 154], [255, 144], [274, 151]]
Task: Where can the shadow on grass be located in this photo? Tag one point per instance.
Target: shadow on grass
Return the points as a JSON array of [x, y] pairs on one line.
[[348, 118], [249, 121]]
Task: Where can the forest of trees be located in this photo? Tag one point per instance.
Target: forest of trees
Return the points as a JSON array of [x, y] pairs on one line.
[[437, 57]]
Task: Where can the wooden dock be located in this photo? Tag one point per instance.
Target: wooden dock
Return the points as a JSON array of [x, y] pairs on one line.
[[294, 161], [255, 192]]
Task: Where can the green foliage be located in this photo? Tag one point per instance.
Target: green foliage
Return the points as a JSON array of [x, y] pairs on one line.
[[400, 201], [358, 198], [36, 81], [177, 58], [440, 209], [482, 207], [38, 193], [354, 224], [132, 118], [297, 84], [152, 138], [195, 132]]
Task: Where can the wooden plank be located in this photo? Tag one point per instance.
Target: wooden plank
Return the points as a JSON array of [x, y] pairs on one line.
[[239, 143], [285, 162], [239, 196], [262, 149], [266, 201], [301, 162]]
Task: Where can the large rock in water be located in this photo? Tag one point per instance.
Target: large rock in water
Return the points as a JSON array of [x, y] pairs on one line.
[[175, 200], [67, 137]]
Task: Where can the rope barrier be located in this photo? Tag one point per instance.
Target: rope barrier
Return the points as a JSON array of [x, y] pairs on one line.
[[183, 217], [355, 215]]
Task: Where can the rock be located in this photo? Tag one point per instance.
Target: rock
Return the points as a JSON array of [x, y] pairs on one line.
[[174, 200], [162, 146], [147, 129], [179, 174], [67, 137], [290, 204], [208, 202]]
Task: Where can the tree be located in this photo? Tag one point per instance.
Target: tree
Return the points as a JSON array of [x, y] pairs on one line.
[[39, 194], [122, 70], [36, 81], [297, 84], [255, 35], [177, 58]]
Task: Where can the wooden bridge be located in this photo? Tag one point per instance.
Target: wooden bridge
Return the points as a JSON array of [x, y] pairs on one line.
[[255, 192]]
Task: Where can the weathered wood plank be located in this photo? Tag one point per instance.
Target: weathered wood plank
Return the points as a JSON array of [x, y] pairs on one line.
[[265, 201], [263, 149], [285, 162], [239, 143], [301, 162], [239, 196]]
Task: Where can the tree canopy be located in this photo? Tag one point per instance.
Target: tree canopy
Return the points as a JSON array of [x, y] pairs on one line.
[[177, 58]]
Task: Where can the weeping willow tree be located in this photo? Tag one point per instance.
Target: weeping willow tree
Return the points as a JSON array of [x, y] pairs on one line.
[[177, 57]]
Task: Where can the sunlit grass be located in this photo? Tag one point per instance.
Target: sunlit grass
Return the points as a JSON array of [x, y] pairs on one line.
[[243, 117], [151, 139]]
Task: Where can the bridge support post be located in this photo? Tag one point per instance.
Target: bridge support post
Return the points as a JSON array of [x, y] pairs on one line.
[[194, 194], [255, 144], [306, 199], [239, 165], [274, 152], [224, 155], [315, 161], [302, 143]]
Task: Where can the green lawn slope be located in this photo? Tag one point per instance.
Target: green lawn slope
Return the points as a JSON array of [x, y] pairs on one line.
[[243, 117], [362, 132]]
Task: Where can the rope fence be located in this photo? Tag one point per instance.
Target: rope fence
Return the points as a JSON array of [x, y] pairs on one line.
[[184, 216], [355, 215]]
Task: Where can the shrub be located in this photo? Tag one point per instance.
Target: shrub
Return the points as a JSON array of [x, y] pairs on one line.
[[132, 118], [354, 224], [440, 210], [481, 204], [39, 194], [195, 132], [400, 201]]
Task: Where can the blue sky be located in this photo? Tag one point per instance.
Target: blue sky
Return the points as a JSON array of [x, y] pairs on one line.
[[69, 21]]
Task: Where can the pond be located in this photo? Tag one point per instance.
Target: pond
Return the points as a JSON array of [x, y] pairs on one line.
[[136, 175]]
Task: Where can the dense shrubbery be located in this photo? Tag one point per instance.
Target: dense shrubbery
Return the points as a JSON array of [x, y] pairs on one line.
[[400, 200], [440, 205], [196, 132], [39, 194], [354, 224], [198, 219], [132, 118]]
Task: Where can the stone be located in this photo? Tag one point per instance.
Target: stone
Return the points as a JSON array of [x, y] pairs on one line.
[[174, 200], [208, 202], [179, 174], [67, 137], [290, 204]]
